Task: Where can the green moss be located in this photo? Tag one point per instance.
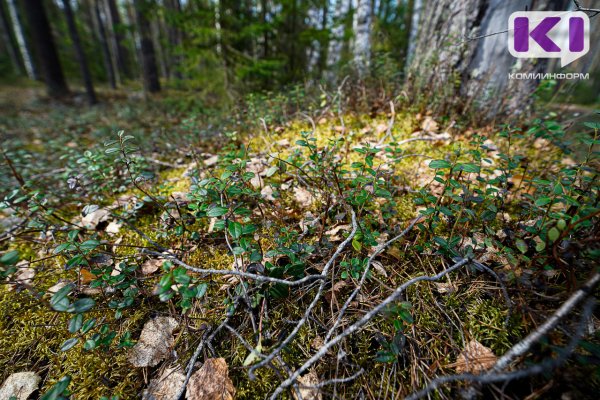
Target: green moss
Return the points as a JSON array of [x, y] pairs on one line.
[[30, 339]]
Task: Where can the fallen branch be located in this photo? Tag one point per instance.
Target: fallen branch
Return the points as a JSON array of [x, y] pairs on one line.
[[496, 376], [358, 324], [301, 323]]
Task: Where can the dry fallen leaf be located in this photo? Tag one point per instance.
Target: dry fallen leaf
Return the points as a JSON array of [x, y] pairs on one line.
[[20, 385], [306, 389], [23, 276], [211, 382], [151, 266], [166, 386], [475, 358], [429, 125], [303, 197], [155, 342], [92, 220], [113, 227]]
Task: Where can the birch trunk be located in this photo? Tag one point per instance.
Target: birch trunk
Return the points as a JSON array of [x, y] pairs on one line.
[[24, 50], [362, 36], [336, 43], [13, 51]]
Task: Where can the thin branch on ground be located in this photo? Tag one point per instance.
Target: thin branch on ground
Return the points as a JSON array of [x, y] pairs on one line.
[[498, 376], [361, 322], [308, 311]]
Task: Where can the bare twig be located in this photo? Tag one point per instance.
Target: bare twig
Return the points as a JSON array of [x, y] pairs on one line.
[[498, 376], [365, 273], [308, 311], [361, 322], [259, 278]]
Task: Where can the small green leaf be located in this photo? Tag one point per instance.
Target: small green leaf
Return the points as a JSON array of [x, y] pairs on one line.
[[561, 224], [57, 390], [542, 201], [521, 245], [81, 305], [540, 246], [271, 171], [356, 244], [439, 164], [235, 229], [68, 344], [10, 258], [217, 212], [553, 234], [76, 323]]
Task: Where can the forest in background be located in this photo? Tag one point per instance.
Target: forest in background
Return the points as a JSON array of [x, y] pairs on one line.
[[307, 199]]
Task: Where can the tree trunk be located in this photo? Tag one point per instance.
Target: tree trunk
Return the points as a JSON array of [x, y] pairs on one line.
[[413, 29], [336, 42], [106, 56], [7, 38], [362, 36], [122, 55], [149, 68], [447, 66], [23, 49], [43, 44], [174, 36], [81, 59]]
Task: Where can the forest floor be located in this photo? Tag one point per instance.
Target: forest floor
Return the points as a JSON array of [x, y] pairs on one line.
[[199, 220]]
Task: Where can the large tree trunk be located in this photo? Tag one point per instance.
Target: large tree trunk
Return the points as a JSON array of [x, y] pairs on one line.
[[336, 42], [149, 68], [83, 65], [7, 39], [43, 44], [461, 53], [362, 36], [174, 36], [415, 8], [122, 55], [103, 39], [23, 49]]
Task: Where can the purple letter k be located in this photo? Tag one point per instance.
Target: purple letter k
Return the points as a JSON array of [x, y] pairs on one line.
[[539, 34]]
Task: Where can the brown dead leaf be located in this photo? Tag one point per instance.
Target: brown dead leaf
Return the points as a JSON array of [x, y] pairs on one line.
[[166, 386], [155, 342], [306, 387], [92, 220], [20, 385], [151, 266], [303, 197], [23, 276], [475, 358], [211, 382], [429, 125]]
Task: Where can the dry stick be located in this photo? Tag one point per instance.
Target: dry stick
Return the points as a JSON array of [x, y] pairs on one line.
[[364, 320], [259, 278], [524, 345], [190, 366], [378, 251], [301, 323], [496, 376]]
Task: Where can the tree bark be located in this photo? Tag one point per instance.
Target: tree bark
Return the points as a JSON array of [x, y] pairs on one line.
[[122, 55], [81, 59], [362, 36], [336, 42], [149, 67], [11, 48], [43, 44], [174, 36], [106, 56], [461, 53], [23, 49]]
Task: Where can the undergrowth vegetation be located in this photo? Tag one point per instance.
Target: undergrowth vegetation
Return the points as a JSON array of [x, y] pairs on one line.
[[268, 234]]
